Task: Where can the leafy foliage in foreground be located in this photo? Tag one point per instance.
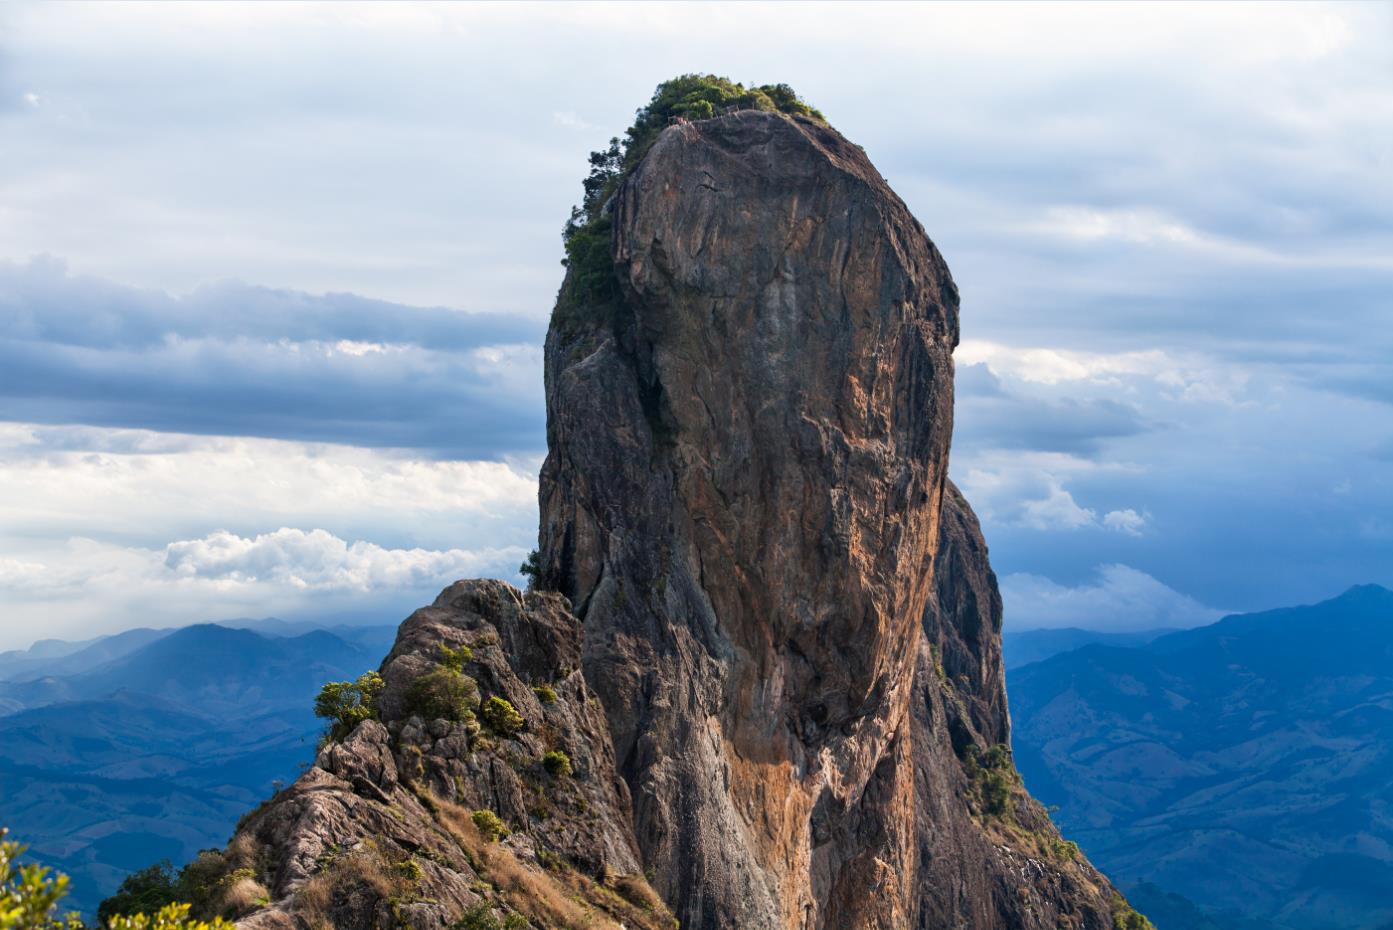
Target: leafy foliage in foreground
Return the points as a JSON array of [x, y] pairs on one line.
[[30, 895], [145, 891]]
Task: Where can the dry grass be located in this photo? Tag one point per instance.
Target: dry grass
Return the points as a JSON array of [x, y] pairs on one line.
[[534, 894], [366, 867], [637, 891], [559, 899], [563, 900], [228, 883], [244, 895]]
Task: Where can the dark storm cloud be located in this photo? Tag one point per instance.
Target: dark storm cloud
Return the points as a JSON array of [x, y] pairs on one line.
[[41, 302], [237, 360]]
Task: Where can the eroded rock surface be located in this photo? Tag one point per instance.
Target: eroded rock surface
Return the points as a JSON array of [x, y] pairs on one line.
[[775, 646], [748, 451], [379, 832], [747, 456], [981, 861]]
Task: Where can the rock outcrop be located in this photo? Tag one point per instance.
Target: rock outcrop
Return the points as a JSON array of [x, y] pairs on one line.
[[986, 854], [783, 610], [743, 501], [381, 831]]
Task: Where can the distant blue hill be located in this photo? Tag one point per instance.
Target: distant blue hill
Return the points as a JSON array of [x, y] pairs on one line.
[[154, 747], [56, 657], [1245, 767], [1026, 646]]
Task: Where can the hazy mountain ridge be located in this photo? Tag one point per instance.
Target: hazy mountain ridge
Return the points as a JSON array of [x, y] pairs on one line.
[[206, 668], [54, 657], [1246, 765], [1026, 646], [161, 741]]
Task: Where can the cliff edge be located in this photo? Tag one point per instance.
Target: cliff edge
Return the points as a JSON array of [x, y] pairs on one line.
[[765, 638], [744, 501]]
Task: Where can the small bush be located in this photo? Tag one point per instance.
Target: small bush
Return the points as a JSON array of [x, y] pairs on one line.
[[478, 917], [348, 703], [490, 826], [545, 693], [1065, 850], [557, 764], [443, 693], [531, 569], [455, 659], [145, 891], [993, 778], [409, 869], [30, 896], [502, 717], [169, 917], [1126, 917]]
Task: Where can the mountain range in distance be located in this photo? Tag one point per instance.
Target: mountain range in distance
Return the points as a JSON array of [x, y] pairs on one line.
[[150, 744], [1026, 646], [1237, 775]]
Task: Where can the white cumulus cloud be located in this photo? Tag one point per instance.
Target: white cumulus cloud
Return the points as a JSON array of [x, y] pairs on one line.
[[1057, 510], [316, 559], [1125, 521], [1119, 598]]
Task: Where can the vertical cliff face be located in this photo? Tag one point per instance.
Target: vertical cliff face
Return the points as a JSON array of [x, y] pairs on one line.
[[741, 499], [986, 853], [747, 456], [785, 610]]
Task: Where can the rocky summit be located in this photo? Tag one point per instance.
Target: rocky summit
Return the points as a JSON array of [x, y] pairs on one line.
[[759, 681]]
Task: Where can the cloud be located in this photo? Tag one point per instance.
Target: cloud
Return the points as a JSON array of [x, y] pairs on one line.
[[320, 561], [990, 414], [1027, 491], [1057, 510], [237, 360], [1119, 598], [572, 121], [1125, 521], [142, 488], [85, 587], [1174, 287], [106, 529]]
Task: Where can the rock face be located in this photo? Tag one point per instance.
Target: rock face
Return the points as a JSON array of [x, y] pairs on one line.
[[783, 610], [379, 832], [981, 861], [742, 500]]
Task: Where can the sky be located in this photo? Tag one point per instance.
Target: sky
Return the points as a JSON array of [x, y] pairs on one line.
[[274, 281]]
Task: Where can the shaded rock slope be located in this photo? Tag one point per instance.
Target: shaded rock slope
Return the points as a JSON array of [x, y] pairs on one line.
[[786, 707]]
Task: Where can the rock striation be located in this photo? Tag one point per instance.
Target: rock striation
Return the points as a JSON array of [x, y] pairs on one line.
[[744, 500], [741, 500], [768, 618]]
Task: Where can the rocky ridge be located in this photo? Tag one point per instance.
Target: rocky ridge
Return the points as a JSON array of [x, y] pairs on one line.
[[771, 632]]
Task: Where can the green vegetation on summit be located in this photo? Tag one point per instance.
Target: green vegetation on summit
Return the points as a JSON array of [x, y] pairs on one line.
[[689, 97]]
